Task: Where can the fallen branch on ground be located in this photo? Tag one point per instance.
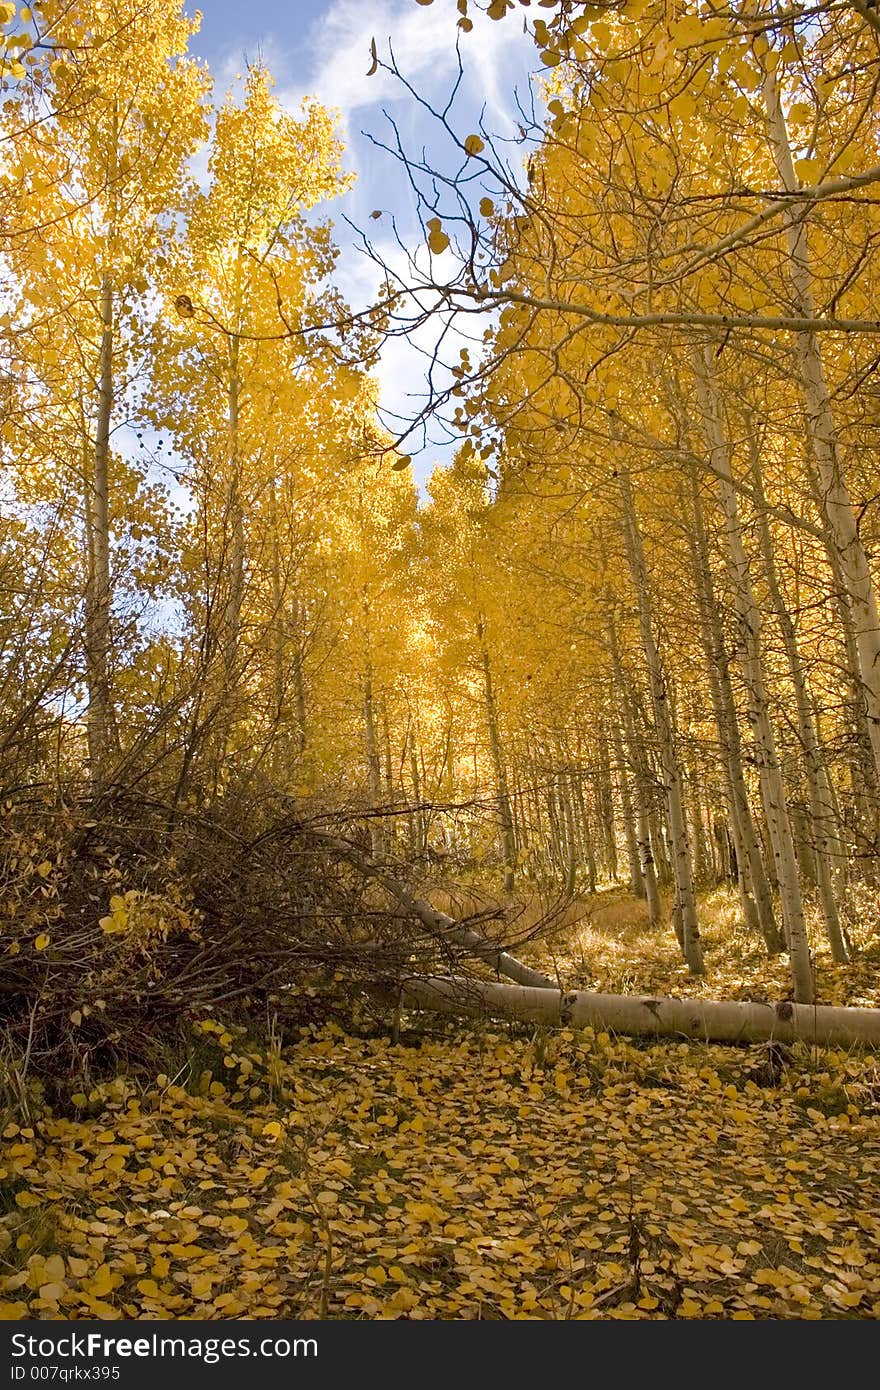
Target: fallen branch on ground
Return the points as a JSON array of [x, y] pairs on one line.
[[437, 923]]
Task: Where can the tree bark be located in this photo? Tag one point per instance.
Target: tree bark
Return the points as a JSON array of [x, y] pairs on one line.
[[637, 759], [755, 894], [100, 726], [644, 1016], [441, 926], [750, 625], [827, 849], [665, 736], [505, 819], [821, 427], [636, 877]]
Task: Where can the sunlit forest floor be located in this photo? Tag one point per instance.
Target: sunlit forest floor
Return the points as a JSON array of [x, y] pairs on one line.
[[467, 1171], [604, 943]]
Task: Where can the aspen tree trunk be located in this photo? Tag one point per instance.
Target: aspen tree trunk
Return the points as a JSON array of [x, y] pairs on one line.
[[418, 820], [636, 878], [234, 525], [716, 860], [643, 1016], [828, 850], [571, 849], [374, 766], [299, 682], [101, 724], [606, 808], [863, 773], [665, 736], [585, 830], [279, 645], [557, 849], [702, 859], [438, 924], [836, 501], [505, 820], [750, 624], [647, 869], [756, 897]]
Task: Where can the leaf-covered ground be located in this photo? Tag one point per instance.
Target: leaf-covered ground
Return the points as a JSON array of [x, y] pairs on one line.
[[463, 1174]]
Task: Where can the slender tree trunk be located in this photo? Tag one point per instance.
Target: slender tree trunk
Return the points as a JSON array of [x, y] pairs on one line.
[[665, 736], [298, 673], [822, 431], [756, 897], [571, 849], [636, 878], [505, 820], [279, 647], [823, 837], [374, 766], [606, 802], [101, 724], [235, 530], [750, 625], [648, 872]]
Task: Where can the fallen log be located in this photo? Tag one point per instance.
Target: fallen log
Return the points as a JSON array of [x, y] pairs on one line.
[[644, 1016], [440, 925]]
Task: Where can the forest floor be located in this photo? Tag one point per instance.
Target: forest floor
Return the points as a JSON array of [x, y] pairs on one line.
[[467, 1171]]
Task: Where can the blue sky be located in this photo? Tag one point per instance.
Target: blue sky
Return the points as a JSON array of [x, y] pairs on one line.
[[320, 48]]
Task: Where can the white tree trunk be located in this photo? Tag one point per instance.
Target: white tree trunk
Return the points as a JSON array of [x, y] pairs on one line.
[[440, 926], [750, 625], [755, 895], [828, 851], [100, 725], [681, 851], [645, 1016], [822, 431], [505, 818]]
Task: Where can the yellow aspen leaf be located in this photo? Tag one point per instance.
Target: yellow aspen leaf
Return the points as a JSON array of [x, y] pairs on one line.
[[474, 145], [273, 1130], [487, 207], [42, 941], [149, 1288], [103, 1281], [45, 868], [808, 170]]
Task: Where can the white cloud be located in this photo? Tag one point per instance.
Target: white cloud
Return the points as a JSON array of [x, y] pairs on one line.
[[332, 59], [423, 42]]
